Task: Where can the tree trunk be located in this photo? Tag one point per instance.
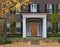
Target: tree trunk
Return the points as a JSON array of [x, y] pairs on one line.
[[4, 31]]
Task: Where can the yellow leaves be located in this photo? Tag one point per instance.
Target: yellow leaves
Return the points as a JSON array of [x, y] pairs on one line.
[[6, 10], [18, 9], [13, 8], [14, 0], [30, 2], [27, 0], [14, 4], [1, 13], [18, 5], [8, 3]]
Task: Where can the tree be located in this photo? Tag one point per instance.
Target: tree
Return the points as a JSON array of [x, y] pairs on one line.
[[7, 5], [54, 19]]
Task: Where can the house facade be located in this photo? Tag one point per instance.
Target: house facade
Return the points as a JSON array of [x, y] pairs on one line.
[[35, 20]]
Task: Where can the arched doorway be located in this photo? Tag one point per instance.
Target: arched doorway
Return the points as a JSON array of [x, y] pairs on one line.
[[34, 27]]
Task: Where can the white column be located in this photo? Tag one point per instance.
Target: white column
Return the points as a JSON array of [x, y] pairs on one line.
[[24, 27], [44, 31]]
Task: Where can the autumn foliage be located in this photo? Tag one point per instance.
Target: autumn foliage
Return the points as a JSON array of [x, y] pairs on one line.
[[8, 5]]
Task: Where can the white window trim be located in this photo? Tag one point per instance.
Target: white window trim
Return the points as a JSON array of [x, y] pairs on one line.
[[58, 7], [49, 24], [50, 8], [8, 25], [18, 25], [17, 11], [11, 13], [59, 24], [34, 8]]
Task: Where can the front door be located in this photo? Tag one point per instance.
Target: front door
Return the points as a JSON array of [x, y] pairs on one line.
[[34, 29]]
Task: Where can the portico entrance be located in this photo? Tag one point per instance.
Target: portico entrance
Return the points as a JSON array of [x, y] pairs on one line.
[[32, 28]]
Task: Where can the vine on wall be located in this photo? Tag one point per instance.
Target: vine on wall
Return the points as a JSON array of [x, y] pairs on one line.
[[54, 19]]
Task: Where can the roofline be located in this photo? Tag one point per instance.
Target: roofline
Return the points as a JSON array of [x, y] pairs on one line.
[[34, 12]]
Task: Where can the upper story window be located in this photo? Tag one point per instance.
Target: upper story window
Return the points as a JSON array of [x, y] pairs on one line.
[[49, 8], [18, 10], [33, 7], [58, 8], [12, 12]]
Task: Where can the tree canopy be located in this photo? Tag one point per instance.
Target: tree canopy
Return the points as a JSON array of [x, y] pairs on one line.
[[7, 5]]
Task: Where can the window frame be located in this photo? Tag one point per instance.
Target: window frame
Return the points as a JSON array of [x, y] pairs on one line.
[[17, 26], [58, 8], [8, 27], [34, 8], [17, 10], [58, 26], [49, 10], [49, 25]]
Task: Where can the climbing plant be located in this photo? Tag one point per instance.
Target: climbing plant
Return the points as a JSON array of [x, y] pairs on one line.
[[54, 19]]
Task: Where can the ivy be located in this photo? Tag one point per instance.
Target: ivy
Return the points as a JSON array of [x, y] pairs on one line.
[[54, 19]]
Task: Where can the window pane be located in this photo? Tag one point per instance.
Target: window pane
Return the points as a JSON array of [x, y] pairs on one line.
[[33, 8], [59, 26], [49, 27], [18, 26], [58, 8], [18, 10], [8, 27], [49, 8]]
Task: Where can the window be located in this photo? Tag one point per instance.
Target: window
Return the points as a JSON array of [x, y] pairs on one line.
[[8, 27], [58, 9], [49, 26], [49, 8], [18, 26], [12, 12], [59, 26], [33, 7], [18, 10]]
